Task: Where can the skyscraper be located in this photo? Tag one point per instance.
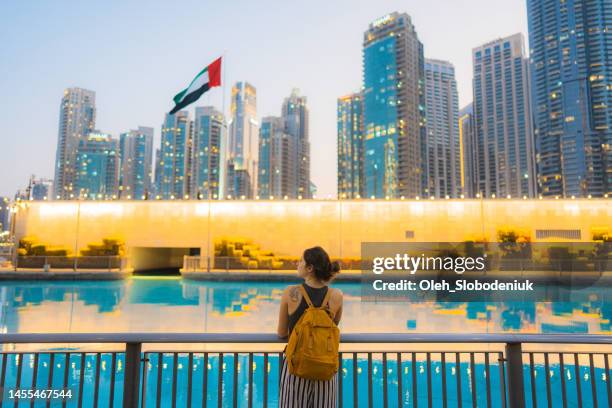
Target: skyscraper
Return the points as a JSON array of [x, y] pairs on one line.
[[77, 120], [173, 173], [571, 73], [209, 165], [295, 116], [97, 164], [350, 146], [136, 147], [467, 143], [505, 152], [443, 158], [5, 213], [394, 108], [38, 189], [278, 170], [243, 140]]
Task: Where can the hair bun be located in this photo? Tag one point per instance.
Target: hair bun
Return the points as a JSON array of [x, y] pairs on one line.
[[334, 267]]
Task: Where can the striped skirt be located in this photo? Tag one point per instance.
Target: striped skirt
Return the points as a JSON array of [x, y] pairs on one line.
[[297, 392]]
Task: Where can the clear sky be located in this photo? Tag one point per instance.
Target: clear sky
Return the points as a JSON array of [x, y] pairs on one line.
[[137, 54]]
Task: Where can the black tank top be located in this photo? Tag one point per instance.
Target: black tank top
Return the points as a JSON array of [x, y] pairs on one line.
[[316, 297]]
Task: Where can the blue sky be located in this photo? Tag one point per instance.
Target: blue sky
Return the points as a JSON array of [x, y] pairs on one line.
[[137, 54]]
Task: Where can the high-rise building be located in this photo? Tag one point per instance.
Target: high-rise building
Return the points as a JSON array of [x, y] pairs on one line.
[[243, 139], [467, 143], [502, 115], [394, 108], [443, 156], [38, 189], [571, 74], [208, 173], [295, 117], [157, 175], [278, 170], [42, 189], [77, 120], [136, 151], [350, 146], [5, 212], [174, 165], [97, 164]]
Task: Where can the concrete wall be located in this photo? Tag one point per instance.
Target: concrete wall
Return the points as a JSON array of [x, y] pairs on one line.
[[287, 227]]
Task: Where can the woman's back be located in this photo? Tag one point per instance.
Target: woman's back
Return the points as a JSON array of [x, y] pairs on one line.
[[316, 297]]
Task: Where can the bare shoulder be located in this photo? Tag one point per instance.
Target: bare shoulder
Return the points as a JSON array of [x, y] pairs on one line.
[[336, 294]]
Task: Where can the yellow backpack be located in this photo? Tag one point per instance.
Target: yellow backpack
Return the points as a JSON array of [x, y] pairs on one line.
[[312, 350]]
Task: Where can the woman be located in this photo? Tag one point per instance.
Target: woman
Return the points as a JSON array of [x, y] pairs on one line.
[[317, 271]]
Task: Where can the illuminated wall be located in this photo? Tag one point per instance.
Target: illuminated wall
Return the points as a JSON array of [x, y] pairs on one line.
[[287, 227]]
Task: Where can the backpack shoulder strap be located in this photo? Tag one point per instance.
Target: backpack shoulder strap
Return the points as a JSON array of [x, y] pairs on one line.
[[306, 297], [326, 298]]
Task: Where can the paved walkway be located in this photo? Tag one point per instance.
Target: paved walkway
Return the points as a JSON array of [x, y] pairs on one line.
[[63, 274]]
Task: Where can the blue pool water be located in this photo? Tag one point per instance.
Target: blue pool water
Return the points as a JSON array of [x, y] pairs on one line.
[[174, 305]]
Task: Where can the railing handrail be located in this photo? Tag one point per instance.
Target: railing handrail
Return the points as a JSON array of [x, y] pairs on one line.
[[40, 338]]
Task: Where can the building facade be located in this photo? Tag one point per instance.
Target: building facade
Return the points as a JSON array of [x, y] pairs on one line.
[[443, 156], [174, 165], [97, 164], [136, 150], [467, 143], [77, 120], [571, 75], [278, 171], [5, 213], [350, 146], [394, 108], [209, 145], [243, 140], [502, 113], [296, 117]]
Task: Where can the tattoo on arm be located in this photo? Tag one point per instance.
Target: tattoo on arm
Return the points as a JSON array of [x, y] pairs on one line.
[[294, 293]]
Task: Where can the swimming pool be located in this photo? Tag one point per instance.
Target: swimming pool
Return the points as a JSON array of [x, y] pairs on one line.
[[172, 304]]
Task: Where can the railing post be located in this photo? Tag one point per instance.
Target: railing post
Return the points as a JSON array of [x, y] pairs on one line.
[[516, 387], [131, 378]]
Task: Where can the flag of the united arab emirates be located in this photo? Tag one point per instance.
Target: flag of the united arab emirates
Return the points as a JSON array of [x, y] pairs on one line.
[[207, 78]]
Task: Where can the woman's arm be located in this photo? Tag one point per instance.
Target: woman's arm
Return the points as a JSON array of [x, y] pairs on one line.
[[338, 300], [283, 316]]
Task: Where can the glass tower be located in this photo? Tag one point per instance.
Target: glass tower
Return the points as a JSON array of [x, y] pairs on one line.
[[208, 153], [243, 140], [467, 149], [571, 73], [77, 121], [277, 166], [173, 173], [394, 108], [350, 146], [136, 148], [295, 117], [505, 152], [97, 165], [442, 143]]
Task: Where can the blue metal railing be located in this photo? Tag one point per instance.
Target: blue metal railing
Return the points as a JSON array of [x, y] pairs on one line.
[[388, 372]]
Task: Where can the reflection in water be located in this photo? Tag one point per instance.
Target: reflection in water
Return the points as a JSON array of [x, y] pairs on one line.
[[170, 304]]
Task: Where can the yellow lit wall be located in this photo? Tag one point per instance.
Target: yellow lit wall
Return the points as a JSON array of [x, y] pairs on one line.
[[287, 227]]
